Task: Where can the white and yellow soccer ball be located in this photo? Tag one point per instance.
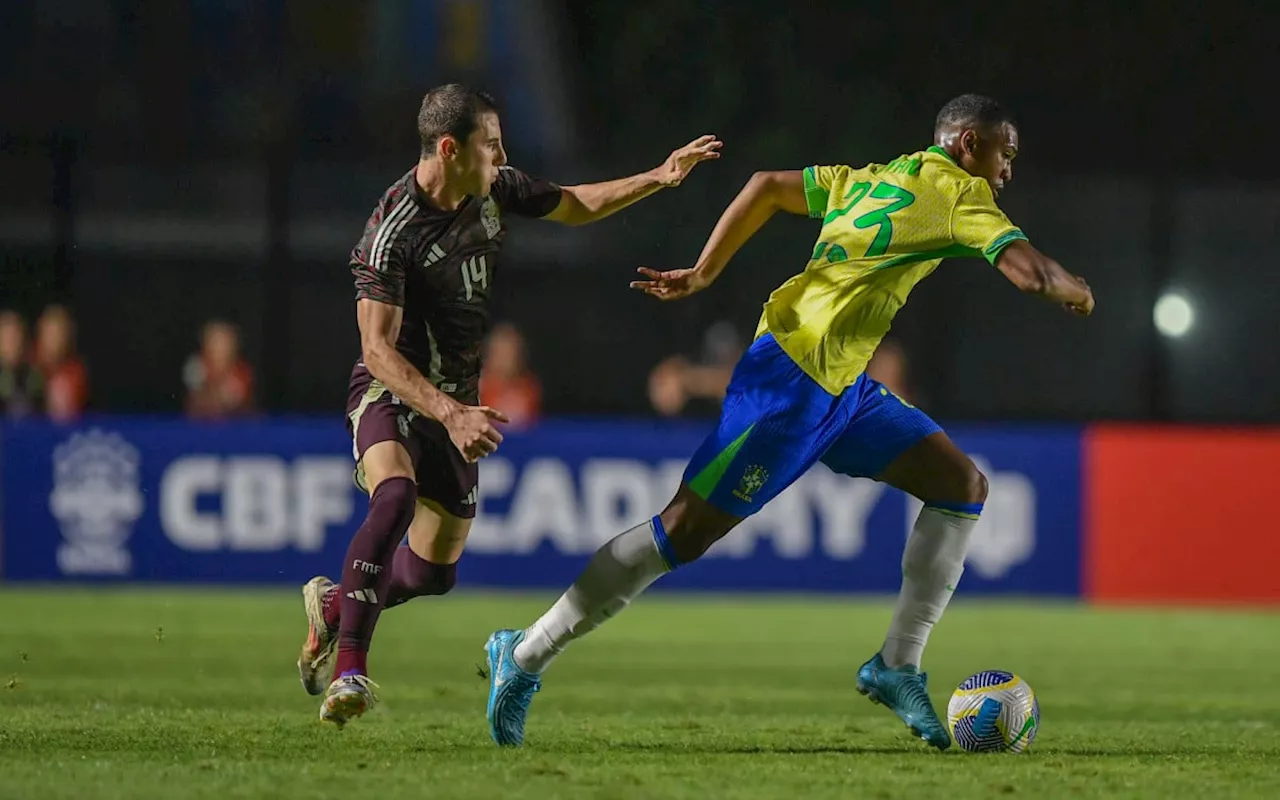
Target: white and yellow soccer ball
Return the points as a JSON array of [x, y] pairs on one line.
[[994, 712]]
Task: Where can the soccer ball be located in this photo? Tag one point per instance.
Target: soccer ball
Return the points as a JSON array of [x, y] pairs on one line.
[[994, 712]]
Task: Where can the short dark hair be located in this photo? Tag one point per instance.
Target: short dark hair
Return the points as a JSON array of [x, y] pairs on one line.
[[451, 110], [972, 111]]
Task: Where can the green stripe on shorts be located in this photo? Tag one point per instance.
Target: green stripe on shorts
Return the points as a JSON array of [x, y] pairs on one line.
[[705, 482]]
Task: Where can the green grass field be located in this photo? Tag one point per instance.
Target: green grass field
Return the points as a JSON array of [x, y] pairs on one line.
[[176, 694]]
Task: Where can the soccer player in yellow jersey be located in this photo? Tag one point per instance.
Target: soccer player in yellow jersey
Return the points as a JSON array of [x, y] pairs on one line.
[[800, 395]]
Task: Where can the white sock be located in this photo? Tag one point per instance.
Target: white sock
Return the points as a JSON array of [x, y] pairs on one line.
[[932, 564], [621, 569]]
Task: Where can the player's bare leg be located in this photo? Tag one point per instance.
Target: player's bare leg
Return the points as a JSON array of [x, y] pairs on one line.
[[366, 577], [623, 568], [428, 565], [953, 490], [620, 570]]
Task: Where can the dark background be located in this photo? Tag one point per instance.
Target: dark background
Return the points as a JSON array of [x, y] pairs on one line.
[[167, 161]]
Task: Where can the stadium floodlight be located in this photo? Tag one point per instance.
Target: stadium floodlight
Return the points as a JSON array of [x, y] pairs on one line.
[[1174, 315]]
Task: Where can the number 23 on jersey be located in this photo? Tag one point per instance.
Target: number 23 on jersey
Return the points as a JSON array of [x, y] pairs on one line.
[[878, 215]]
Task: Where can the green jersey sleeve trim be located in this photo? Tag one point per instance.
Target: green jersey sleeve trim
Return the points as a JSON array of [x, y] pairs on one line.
[[906, 259], [1004, 240], [939, 151], [814, 195]]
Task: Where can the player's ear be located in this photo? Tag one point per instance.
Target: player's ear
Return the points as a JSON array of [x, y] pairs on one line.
[[969, 142], [448, 147]]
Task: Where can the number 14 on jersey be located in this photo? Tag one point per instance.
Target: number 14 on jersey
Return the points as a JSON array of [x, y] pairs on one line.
[[475, 272]]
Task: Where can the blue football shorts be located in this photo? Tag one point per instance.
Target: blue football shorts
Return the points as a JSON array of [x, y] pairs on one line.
[[776, 422]]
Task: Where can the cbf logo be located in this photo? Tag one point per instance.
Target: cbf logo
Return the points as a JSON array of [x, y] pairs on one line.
[[96, 501], [752, 481]]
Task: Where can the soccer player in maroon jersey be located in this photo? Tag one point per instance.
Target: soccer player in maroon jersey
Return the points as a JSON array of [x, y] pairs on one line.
[[423, 270]]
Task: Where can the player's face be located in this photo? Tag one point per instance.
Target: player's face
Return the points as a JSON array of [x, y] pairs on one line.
[[481, 156], [989, 154]]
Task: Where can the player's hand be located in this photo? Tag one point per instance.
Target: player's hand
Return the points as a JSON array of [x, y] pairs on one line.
[[1084, 308], [671, 285], [682, 161], [471, 430]]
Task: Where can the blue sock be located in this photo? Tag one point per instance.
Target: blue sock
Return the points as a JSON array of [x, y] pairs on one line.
[[664, 544]]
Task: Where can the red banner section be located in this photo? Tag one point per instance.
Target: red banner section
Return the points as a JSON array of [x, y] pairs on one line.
[[1181, 515]]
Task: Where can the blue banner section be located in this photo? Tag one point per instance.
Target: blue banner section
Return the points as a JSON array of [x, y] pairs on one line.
[[273, 501]]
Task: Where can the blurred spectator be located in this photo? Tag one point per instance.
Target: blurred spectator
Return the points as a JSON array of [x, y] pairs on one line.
[[65, 380], [506, 382], [889, 366], [678, 387], [21, 387], [219, 382], [666, 386]]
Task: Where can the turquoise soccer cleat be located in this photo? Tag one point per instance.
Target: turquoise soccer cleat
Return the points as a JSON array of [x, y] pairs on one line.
[[510, 689], [905, 692]]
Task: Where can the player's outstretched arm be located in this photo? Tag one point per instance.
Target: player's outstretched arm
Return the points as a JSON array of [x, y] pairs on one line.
[[590, 202], [470, 427], [765, 194], [1035, 273]]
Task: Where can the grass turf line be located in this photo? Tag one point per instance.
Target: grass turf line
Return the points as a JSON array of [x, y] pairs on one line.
[[168, 693]]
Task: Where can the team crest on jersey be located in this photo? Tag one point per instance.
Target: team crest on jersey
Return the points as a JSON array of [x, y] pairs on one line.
[[490, 217], [753, 480]]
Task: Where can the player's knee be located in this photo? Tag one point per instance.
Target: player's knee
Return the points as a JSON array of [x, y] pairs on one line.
[[688, 542], [398, 496], [961, 482], [681, 535], [692, 525], [974, 485]]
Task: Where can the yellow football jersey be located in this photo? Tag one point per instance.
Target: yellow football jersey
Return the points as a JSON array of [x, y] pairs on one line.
[[884, 228]]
